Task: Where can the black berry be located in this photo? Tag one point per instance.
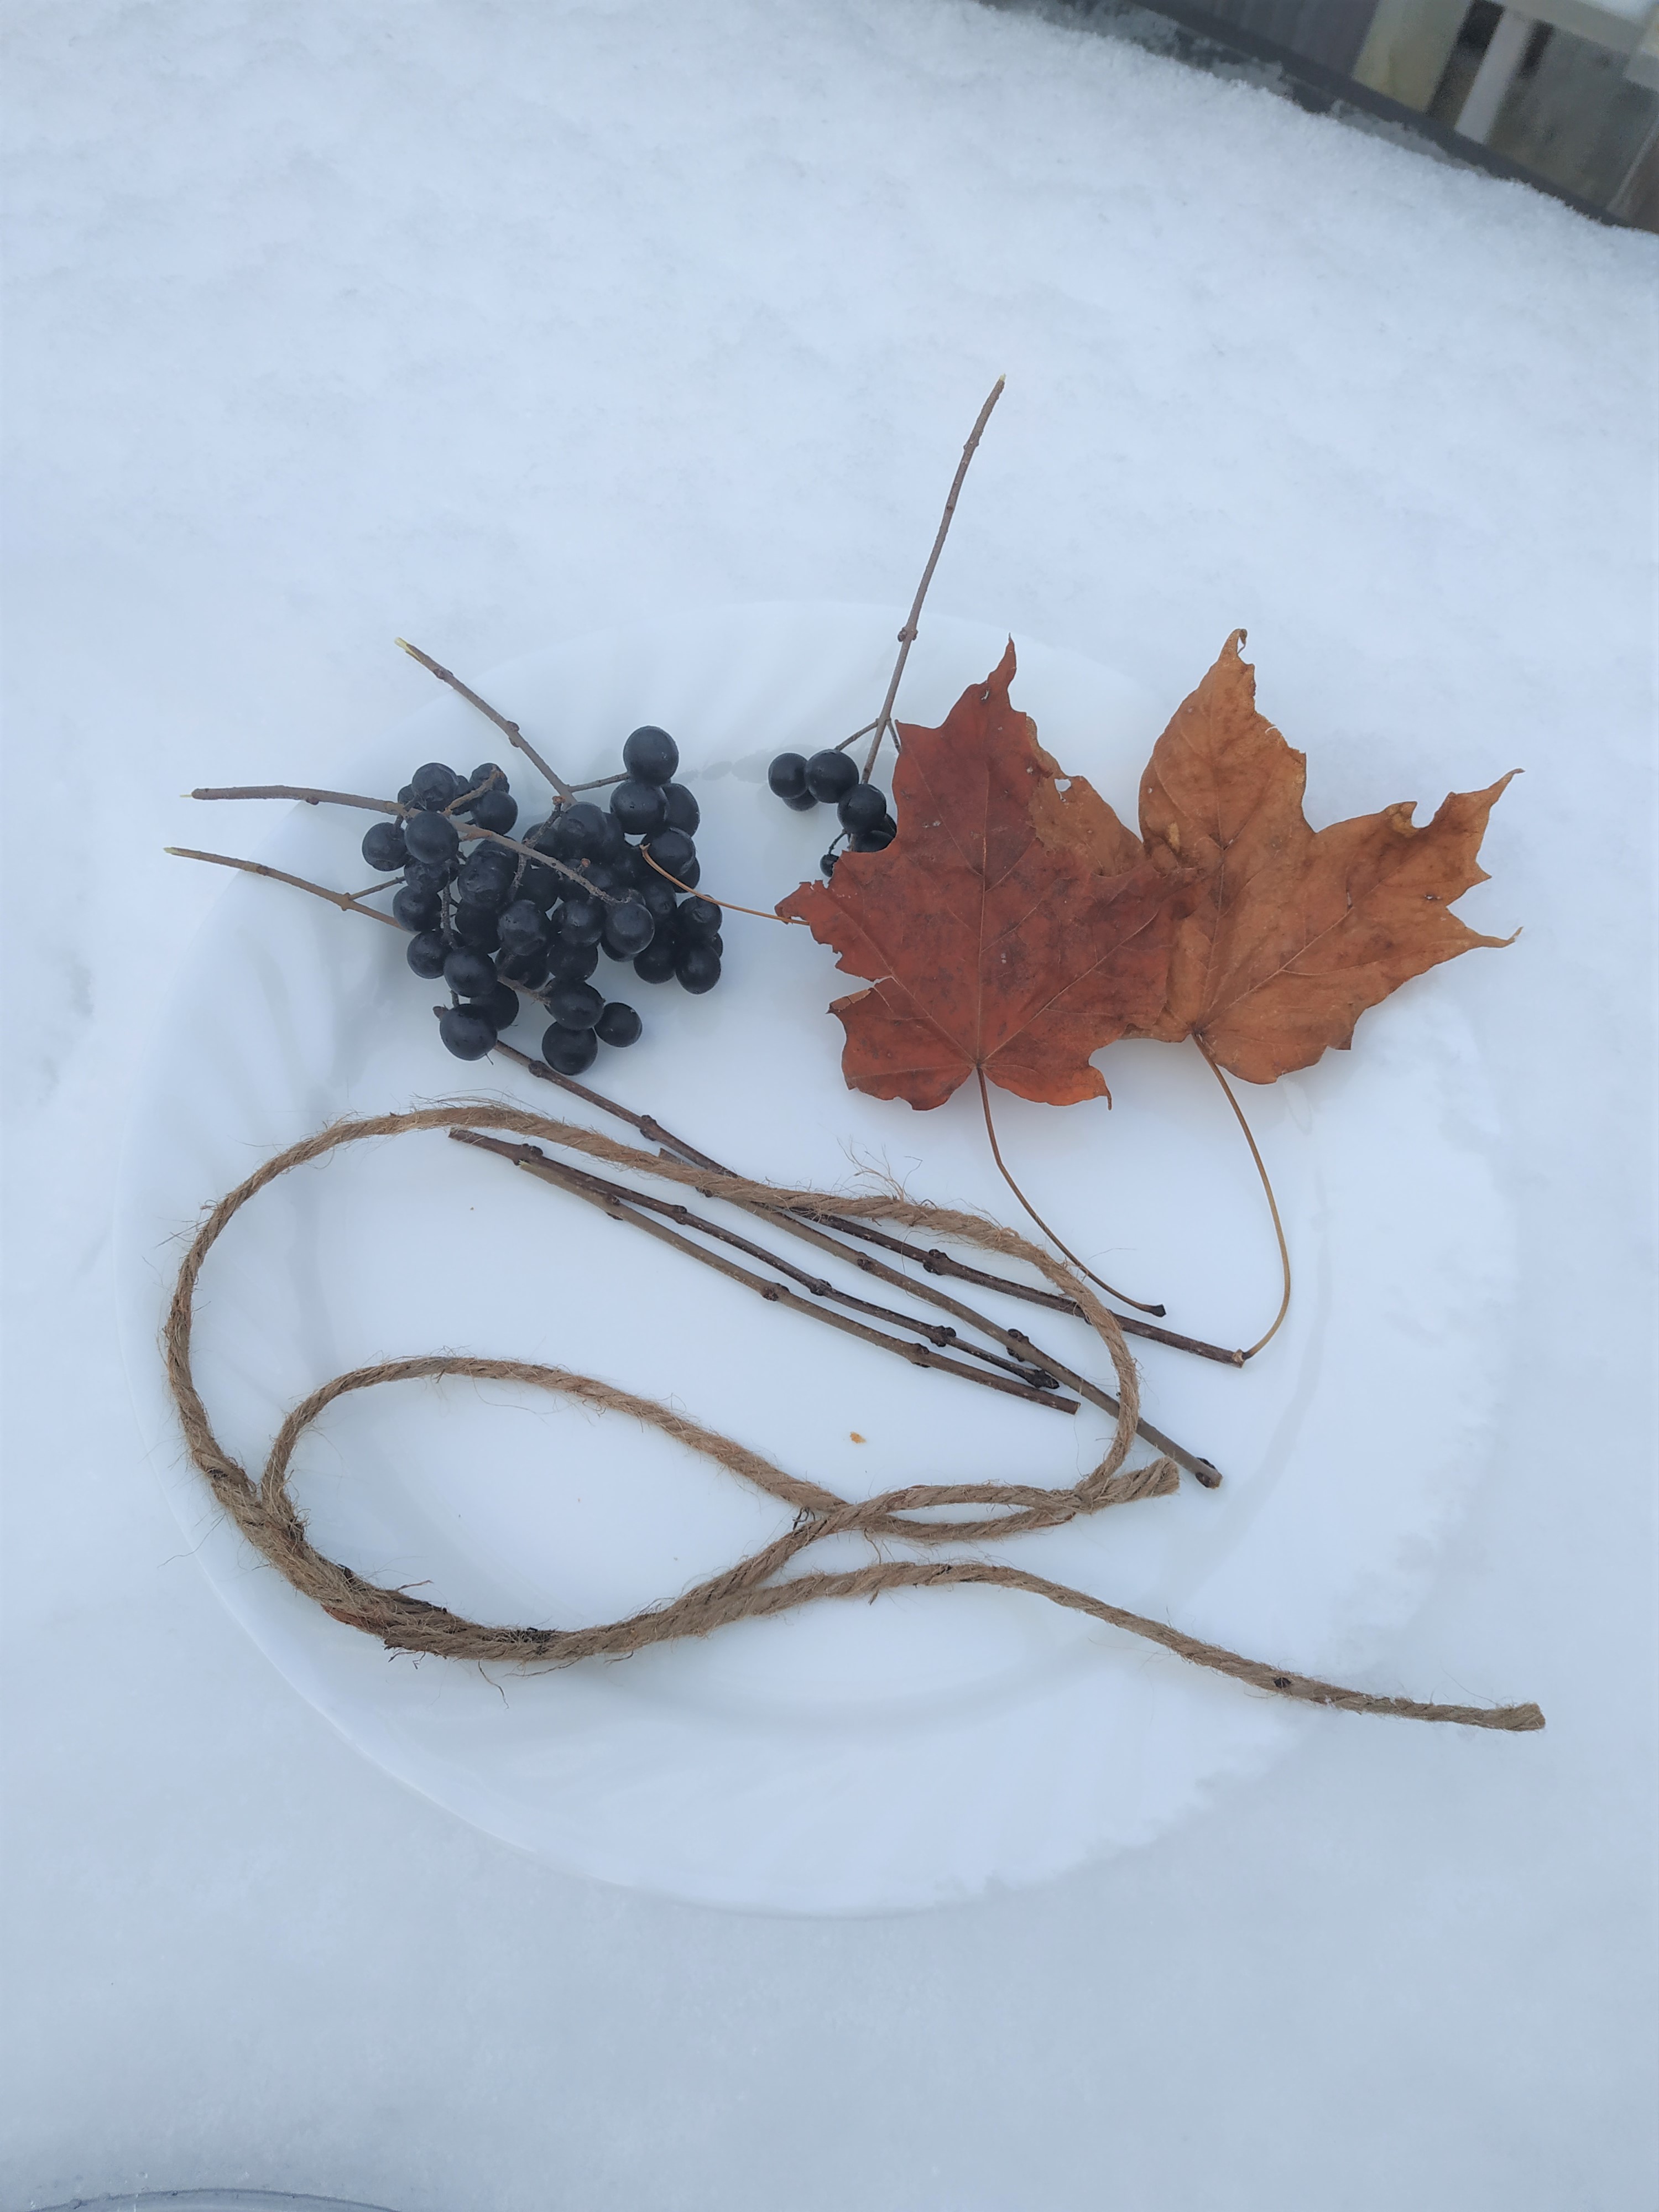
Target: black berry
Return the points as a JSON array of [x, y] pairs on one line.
[[656, 964], [628, 929], [651, 754], [862, 807], [672, 851], [571, 964], [470, 974], [434, 786], [431, 837], [568, 1052], [640, 807], [502, 1005], [426, 953], [583, 921], [467, 1031], [383, 847], [495, 809], [415, 909], [681, 808], [697, 967], [831, 776], [697, 917]]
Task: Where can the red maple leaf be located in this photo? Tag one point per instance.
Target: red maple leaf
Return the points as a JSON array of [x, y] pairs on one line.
[[1012, 928]]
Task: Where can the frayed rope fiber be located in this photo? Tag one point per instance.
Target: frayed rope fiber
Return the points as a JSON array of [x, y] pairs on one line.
[[267, 1516]]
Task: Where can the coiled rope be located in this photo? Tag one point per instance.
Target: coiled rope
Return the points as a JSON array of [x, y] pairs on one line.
[[266, 1513]]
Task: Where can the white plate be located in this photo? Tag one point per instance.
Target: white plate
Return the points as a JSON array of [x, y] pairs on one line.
[[849, 1757]]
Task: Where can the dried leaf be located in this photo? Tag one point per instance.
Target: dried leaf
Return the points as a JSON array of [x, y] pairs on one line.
[[1287, 934], [1012, 927]]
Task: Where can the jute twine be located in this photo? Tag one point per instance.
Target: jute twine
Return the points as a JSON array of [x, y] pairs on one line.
[[267, 1516]]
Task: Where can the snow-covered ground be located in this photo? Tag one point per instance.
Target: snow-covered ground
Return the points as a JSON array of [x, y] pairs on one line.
[[490, 326]]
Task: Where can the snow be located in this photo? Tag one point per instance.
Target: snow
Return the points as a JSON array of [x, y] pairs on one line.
[[488, 326]]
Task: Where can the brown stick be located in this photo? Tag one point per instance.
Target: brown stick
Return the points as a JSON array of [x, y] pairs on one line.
[[310, 797], [941, 1263], [932, 1262], [884, 721], [802, 1221], [617, 1198], [469, 833], [511, 729], [615, 1205]]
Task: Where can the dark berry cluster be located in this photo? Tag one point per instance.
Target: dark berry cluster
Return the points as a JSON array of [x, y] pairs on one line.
[[499, 926], [830, 779]]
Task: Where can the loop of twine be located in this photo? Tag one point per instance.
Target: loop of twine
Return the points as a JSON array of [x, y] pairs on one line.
[[268, 1518]]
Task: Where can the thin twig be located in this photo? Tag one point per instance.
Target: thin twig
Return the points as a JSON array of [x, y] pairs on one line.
[[468, 833], [884, 721], [465, 798], [514, 733], [1273, 1204], [310, 797], [814, 1230], [942, 1339], [589, 1187], [852, 736], [472, 834], [1002, 1169], [941, 1263], [344, 900]]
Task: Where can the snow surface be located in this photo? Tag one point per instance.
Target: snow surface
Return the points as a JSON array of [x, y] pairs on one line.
[[488, 325]]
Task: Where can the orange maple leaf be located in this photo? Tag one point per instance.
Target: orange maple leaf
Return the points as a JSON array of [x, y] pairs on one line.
[[1011, 928], [1286, 933]]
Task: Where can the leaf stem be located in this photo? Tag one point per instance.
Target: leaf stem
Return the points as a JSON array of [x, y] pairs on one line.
[[1002, 1169], [726, 906], [1273, 1203], [511, 729]]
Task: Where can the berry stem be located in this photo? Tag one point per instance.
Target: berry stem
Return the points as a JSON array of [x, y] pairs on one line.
[[515, 735], [853, 739], [310, 797], [906, 636], [466, 797], [469, 833], [348, 901]]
